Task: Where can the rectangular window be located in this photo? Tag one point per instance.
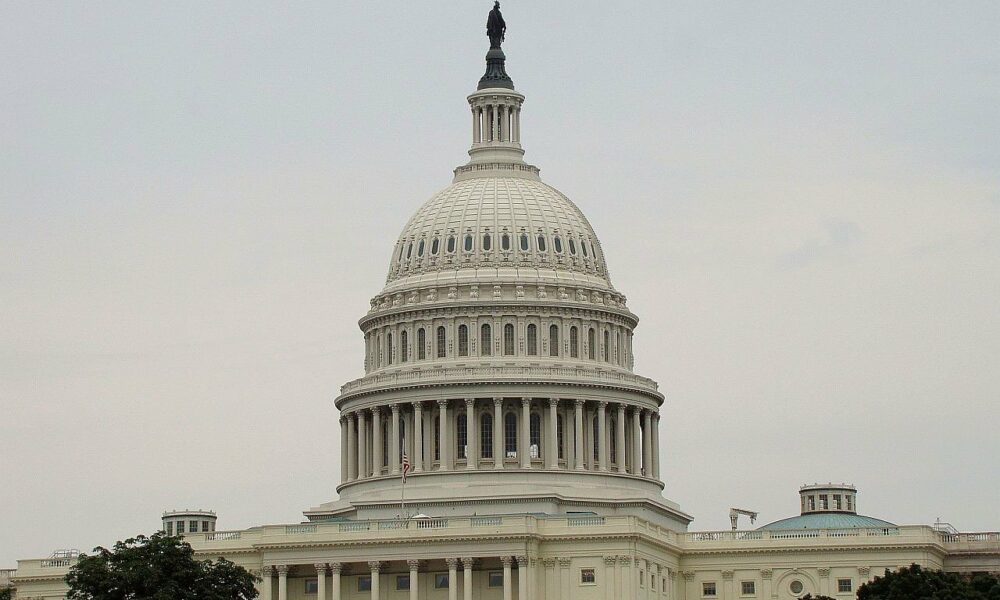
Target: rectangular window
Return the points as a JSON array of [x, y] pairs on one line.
[[312, 586], [642, 578], [836, 502], [180, 527], [402, 582], [441, 581], [204, 525], [849, 503], [496, 578], [812, 502], [170, 528], [588, 577], [364, 583], [193, 526], [748, 588], [845, 586], [708, 589], [822, 502]]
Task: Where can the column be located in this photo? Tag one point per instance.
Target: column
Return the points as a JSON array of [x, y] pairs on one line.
[[418, 437], [376, 568], [656, 445], [452, 578], [508, 590], [377, 457], [727, 585], [609, 576], [467, 579], [516, 124], [625, 562], [320, 581], [525, 433], [362, 445], [344, 468], [471, 436], [636, 442], [394, 442], [475, 125], [578, 431], [414, 578], [282, 582], [765, 576], [497, 433], [824, 580], [620, 442], [553, 445], [267, 584], [647, 443], [602, 436], [445, 445], [522, 578], [352, 447], [335, 569]]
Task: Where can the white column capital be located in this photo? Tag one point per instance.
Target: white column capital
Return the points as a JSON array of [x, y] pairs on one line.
[[452, 562], [554, 402], [522, 562], [467, 562], [320, 568], [414, 564], [506, 561], [375, 566], [395, 408], [336, 567], [282, 570], [267, 571], [579, 403]]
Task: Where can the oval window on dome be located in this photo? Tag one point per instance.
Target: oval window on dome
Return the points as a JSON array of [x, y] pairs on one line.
[[487, 242], [583, 246], [468, 243], [524, 242], [572, 247], [505, 242], [420, 248], [557, 244], [409, 250], [451, 244], [435, 246], [541, 243]]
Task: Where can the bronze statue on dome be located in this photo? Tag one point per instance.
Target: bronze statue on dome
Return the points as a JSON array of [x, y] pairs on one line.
[[495, 26]]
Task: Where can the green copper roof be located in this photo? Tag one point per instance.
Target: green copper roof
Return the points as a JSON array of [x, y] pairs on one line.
[[827, 520]]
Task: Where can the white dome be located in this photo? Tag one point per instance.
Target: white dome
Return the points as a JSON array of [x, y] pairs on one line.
[[494, 227]]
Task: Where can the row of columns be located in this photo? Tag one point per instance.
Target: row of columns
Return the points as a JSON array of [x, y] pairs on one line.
[[496, 122], [375, 569], [643, 425]]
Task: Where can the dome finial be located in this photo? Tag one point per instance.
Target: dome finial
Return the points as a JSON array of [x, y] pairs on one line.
[[496, 75]]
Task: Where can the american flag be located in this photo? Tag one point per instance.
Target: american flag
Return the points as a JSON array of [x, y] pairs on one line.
[[406, 466]]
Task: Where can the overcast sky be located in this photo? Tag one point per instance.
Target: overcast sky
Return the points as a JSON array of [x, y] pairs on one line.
[[197, 201]]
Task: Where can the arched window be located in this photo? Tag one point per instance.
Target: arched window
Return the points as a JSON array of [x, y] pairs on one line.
[[403, 350], [508, 339], [541, 243], [385, 443], [553, 341], [435, 246], [378, 342], [420, 248], [532, 340], [574, 343], [535, 435], [597, 441], [591, 342], [437, 439], [388, 339], [510, 435], [583, 246], [505, 242], [486, 435], [524, 242], [560, 436], [619, 357], [468, 242], [463, 340], [557, 244], [485, 340], [441, 348], [607, 347], [487, 242], [462, 439], [613, 446], [421, 344], [451, 244], [572, 247]]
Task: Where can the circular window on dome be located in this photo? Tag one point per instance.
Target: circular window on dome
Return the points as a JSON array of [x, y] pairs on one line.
[[468, 243], [505, 242], [557, 244], [541, 243], [451, 244], [572, 247], [435, 246], [420, 248], [524, 242], [487, 242], [795, 587]]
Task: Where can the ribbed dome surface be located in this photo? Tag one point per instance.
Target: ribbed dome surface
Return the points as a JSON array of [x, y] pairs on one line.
[[497, 223], [827, 520]]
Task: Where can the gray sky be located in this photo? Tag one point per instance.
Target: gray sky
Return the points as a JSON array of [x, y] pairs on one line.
[[197, 200]]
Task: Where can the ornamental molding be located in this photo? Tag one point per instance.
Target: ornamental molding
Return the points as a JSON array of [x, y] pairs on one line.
[[823, 571], [727, 574], [688, 575], [864, 571], [386, 313], [766, 573], [763, 549]]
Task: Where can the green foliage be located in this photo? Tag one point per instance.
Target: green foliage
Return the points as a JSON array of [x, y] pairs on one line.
[[6, 593], [915, 583], [811, 597], [160, 567]]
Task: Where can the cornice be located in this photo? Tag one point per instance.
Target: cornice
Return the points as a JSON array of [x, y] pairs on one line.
[[523, 308]]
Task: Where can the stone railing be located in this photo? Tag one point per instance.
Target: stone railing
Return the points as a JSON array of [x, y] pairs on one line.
[[431, 375], [222, 536], [982, 536], [5, 576]]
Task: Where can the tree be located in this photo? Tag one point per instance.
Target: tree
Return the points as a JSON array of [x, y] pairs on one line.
[[6, 593], [159, 567], [811, 597], [916, 583]]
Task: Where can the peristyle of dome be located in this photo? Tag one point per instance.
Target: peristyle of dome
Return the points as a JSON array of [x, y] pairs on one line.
[[828, 506]]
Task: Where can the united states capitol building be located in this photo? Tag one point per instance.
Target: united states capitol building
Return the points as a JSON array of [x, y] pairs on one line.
[[499, 375]]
